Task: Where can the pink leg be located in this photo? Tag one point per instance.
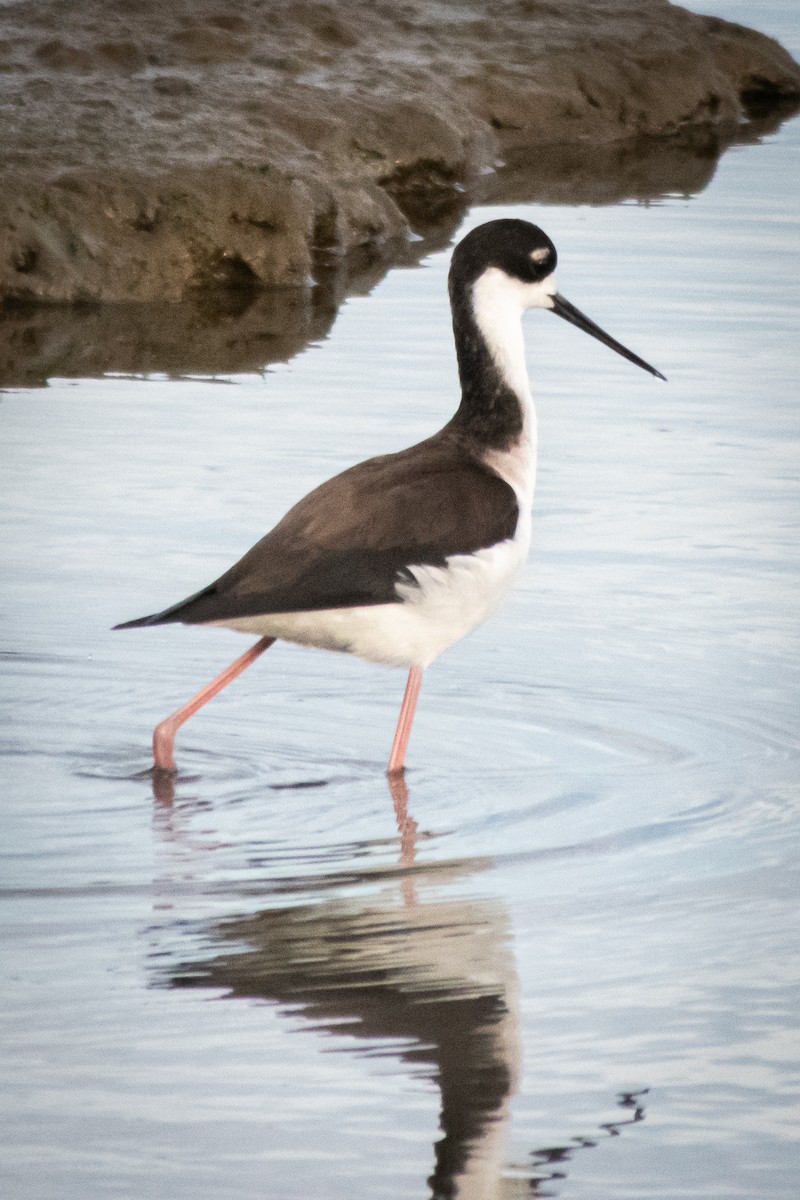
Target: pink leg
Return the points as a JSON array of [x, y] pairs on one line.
[[403, 730], [164, 734]]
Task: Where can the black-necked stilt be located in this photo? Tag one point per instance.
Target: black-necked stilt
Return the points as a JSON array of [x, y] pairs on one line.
[[397, 558]]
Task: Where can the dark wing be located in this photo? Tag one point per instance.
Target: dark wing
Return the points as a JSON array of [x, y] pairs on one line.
[[350, 541]]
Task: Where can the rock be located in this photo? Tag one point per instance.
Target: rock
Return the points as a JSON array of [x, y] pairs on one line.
[[154, 150]]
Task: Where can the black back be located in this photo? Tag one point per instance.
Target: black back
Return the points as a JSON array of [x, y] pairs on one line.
[[351, 540]]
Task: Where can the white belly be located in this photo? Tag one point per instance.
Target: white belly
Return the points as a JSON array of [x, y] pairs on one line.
[[445, 604]]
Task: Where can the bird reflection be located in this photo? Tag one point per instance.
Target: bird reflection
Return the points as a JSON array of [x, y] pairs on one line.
[[167, 822], [407, 828], [436, 977], [403, 971]]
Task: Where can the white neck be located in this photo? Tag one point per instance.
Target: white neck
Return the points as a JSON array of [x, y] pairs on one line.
[[498, 303]]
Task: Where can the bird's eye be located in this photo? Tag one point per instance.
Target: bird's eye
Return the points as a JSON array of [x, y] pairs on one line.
[[540, 256]]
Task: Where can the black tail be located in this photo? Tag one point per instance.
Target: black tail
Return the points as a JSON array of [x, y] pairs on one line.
[[179, 612], [153, 619]]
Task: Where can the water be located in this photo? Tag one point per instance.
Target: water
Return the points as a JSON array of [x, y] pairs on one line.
[[564, 961]]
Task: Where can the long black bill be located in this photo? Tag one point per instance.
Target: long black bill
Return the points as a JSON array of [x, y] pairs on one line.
[[569, 312]]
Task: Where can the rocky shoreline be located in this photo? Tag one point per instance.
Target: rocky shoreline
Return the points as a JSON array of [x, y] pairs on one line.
[[154, 152]]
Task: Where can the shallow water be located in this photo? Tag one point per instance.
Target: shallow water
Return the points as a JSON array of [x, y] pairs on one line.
[[564, 960]]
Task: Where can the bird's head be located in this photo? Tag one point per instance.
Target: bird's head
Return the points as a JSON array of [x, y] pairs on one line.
[[512, 262]]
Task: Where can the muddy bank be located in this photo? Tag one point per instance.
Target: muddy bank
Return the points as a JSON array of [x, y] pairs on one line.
[[156, 150], [234, 330]]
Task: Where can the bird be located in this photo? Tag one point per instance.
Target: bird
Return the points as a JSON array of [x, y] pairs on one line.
[[400, 556]]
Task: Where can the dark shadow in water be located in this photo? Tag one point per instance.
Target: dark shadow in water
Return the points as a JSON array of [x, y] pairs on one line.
[[426, 980], [232, 332], [548, 1162]]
